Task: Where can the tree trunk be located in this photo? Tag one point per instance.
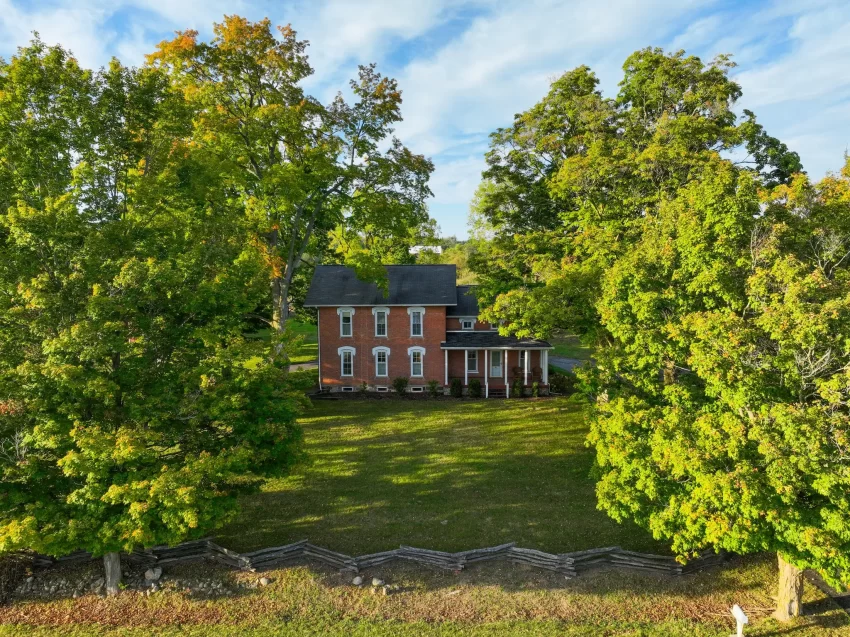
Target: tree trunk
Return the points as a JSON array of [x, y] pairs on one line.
[[112, 566], [790, 596], [279, 305]]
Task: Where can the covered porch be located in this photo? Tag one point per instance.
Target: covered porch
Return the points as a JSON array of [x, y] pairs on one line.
[[497, 362]]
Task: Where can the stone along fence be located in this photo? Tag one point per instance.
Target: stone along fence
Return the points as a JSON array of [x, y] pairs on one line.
[[568, 564]]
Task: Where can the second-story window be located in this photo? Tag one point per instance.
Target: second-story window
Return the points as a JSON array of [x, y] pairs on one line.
[[416, 323], [467, 324], [380, 323], [346, 319]]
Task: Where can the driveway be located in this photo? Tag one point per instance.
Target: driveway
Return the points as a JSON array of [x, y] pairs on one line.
[[564, 363]]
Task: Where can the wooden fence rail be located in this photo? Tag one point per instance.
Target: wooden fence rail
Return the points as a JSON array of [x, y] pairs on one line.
[[568, 564]]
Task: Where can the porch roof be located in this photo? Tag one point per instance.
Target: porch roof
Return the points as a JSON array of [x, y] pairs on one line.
[[483, 339]]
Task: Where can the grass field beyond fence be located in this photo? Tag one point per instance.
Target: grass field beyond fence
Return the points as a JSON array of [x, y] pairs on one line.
[[440, 474], [306, 334]]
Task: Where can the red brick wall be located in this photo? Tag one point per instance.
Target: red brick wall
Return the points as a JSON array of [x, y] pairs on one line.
[[363, 339]]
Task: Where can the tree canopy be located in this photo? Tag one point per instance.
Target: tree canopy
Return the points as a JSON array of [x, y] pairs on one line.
[[713, 277], [303, 169], [128, 415], [569, 183]]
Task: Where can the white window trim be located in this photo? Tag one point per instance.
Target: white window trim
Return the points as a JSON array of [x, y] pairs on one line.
[[420, 350], [421, 311], [341, 351], [466, 320], [386, 312], [385, 350], [340, 311], [468, 368]]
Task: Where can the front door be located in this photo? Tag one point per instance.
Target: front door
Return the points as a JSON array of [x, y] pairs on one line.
[[495, 364]]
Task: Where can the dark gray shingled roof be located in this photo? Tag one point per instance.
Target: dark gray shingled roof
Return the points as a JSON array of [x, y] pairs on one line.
[[338, 285], [467, 304], [482, 339]]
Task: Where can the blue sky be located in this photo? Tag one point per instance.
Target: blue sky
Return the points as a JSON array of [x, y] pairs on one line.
[[466, 66]]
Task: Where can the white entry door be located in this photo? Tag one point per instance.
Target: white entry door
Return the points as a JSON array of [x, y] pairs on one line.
[[495, 364]]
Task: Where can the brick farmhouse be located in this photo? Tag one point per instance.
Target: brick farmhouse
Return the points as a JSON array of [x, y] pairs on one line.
[[424, 328]]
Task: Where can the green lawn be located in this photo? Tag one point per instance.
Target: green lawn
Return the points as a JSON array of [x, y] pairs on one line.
[[570, 347], [440, 474], [307, 348], [447, 475]]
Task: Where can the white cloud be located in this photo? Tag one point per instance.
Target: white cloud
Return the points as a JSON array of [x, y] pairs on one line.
[[481, 61], [75, 26], [815, 66]]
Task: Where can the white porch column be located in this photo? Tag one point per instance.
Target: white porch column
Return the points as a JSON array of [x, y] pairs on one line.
[[525, 371], [545, 366], [507, 387], [465, 367], [486, 376], [447, 367]]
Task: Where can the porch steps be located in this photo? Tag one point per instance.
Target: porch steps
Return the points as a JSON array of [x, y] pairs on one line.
[[497, 393]]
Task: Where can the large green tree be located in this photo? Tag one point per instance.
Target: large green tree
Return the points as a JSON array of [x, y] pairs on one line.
[[713, 278], [568, 184], [722, 419], [303, 169], [128, 417]]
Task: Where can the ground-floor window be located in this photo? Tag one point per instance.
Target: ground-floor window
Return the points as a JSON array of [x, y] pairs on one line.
[[472, 360], [416, 363], [381, 363], [522, 356], [346, 361]]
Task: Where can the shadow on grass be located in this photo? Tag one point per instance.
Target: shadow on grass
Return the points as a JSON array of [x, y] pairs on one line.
[[442, 475]]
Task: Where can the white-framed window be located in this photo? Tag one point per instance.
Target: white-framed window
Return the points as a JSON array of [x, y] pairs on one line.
[[346, 361], [382, 357], [417, 317], [467, 324], [496, 364], [522, 354], [417, 361], [472, 360], [346, 321], [381, 314]]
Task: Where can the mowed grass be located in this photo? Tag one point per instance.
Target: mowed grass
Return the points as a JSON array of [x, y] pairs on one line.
[[486, 600], [307, 346], [386, 472], [570, 346], [439, 474]]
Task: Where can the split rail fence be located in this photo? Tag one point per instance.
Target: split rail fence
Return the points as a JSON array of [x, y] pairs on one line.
[[568, 564]]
